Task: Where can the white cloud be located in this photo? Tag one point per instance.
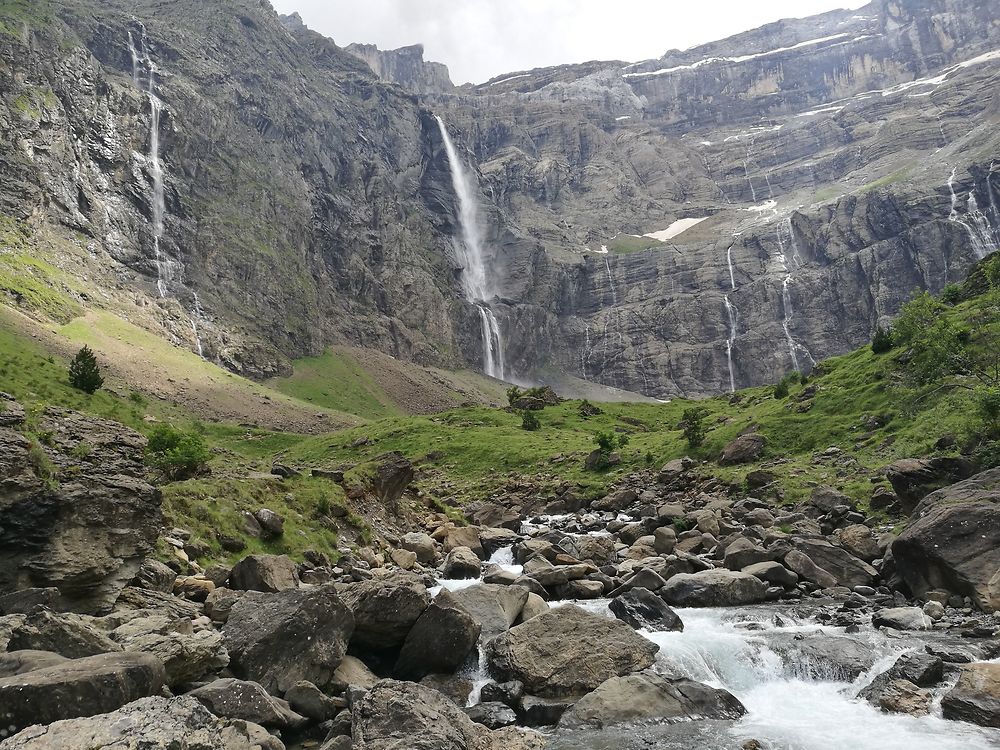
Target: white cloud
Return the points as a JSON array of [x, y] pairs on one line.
[[479, 39]]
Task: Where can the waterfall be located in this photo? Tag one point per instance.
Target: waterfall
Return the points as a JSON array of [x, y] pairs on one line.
[[470, 250], [611, 282], [733, 314], [585, 354], [981, 234], [785, 231], [746, 171], [142, 62]]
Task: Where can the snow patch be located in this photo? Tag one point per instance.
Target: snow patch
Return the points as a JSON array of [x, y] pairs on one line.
[[509, 78], [678, 227]]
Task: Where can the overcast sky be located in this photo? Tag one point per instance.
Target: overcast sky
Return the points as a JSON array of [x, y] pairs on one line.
[[479, 39]]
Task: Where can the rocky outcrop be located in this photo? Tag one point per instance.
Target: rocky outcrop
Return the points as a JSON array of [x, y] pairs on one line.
[[404, 66], [439, 641], [568, 651], [235, 699], [952, 542], [713, 588], [976, 697], [385, 609], [150, 722], [77, 513]]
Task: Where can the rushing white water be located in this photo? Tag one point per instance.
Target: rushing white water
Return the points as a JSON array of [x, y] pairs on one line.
[[732, 315], [786, 240], [470, 249], [982, 236]]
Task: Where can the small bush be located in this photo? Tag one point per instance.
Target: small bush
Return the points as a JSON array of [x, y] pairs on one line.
[[882, 340], [84, 372], [988, 402], [952, 294], [781, 389], [513, 394], [529, 421], [175, 453], [682, 524], [694, 428]]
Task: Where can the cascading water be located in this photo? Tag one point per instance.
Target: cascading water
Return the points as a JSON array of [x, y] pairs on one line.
[[142, 63], [470, 251], [611, 282], [786, 240], [982, 236], [732, 314]]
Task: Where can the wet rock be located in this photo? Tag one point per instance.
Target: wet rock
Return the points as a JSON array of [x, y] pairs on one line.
[[495, 608], [229, 698], [492, 715], [535, 711], [649, 696], [508, 693], [713, 588], [280, 639], [76, 688], [642, 609], [902, 697], [264, 573], [149, 723], [976, 697], [568, 651], [824, 656], [902, 618], [440, 640]]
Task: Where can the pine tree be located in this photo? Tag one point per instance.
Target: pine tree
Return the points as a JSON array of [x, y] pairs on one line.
[[84, 372]]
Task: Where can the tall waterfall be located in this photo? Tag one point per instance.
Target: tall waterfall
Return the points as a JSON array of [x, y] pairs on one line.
[[732, 315], [470, 250], [142, 64], [786, 243], [981, 234]]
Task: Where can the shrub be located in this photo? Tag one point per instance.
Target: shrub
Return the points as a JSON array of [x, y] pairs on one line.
[[988, 401], [84, 372], [529, 421], [951, 294], [513, 394], [606, 441], [781, 389], [694, 425], [175, 453], [882, 340]]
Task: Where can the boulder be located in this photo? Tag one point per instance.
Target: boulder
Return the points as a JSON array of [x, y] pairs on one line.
[[272, 525], [823, 656], [282, 638], [392, 476], [492, 715], [713, 588], [309, 701], [902, 697], [534, 605], [860, 542], [461, 562], [803, 566], [847, 569], [78, 687], [69, 635], [148, 723], [462, 536], [19, 662], [643, 610], [440, 640], [773, 572], [421, 545], [186, 655], [385, 609], [155, 576], [395, 715], [264, 573], [568, 651], [88, 536], [976, 696], [229, 698], [743, 552], [743, 450], [664, 540], [823, 500], [495, 608], [649, 696], [902, 618], [899, 688], [352, 673], [953, 542], [913, 479], [598, 550]]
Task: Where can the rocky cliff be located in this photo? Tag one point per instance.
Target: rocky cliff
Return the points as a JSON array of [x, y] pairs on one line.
[[253, 191]]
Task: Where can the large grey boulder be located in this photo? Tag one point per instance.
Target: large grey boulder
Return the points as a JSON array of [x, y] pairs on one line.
[[912, 479], [743, 450], [823, 656], [79, 687], [568, 651], [976, 696], [953, 542], [902, 618], [385, 609], [187, 655], [280, 639], [230, 698], [644, 610], [88, 535], [396, 715], [19, 662], [804, 567], [264, 573], [495, 607], [70, 635], [649, 696], [713, 588], [440, 640], [176, 723], [847, 569], [461, 562]]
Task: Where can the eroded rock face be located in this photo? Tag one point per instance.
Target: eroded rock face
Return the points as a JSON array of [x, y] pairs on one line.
[[385, 609], [87, 531], [953, 542], [283, 638], [150, 722], [568, 651]]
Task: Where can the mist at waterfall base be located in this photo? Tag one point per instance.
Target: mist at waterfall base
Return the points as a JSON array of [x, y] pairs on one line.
[[470, 252], [792, 703]]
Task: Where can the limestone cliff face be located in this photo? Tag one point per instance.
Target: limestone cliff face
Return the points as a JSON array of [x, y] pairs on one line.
[[833, 165]]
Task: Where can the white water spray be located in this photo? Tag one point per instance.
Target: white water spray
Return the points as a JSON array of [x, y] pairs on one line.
[[786, 238], [732, 314], [611, 282], [470, 250]]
